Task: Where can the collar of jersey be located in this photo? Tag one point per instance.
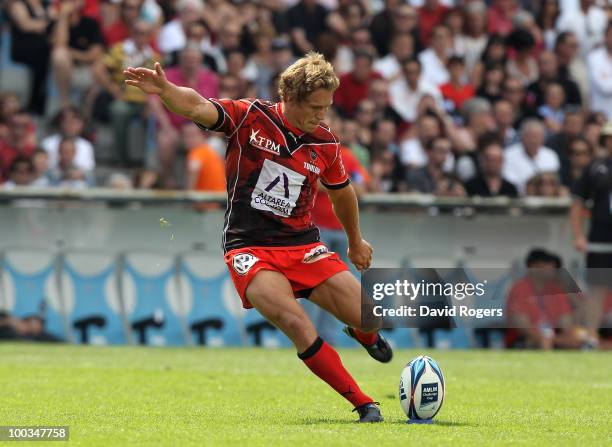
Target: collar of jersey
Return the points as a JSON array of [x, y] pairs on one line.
[[297, 132]]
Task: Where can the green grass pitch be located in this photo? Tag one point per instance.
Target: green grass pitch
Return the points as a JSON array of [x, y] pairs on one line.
[[131, 396]]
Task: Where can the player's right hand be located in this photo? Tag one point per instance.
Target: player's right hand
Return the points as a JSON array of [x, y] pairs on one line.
[[149, 81]]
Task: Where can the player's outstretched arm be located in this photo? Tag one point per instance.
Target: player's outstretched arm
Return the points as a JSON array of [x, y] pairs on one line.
[[180, 100], [345, 205]]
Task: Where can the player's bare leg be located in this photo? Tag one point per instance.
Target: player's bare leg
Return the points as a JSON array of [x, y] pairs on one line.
[[271, 294], [341, 296]]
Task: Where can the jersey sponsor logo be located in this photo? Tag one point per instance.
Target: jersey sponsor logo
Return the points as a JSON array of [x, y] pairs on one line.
[[316, 254], [242, 262], [263, 143], [312, 168], [277, 189]]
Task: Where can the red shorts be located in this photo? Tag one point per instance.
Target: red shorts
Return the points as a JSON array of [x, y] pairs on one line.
[[305, 266]]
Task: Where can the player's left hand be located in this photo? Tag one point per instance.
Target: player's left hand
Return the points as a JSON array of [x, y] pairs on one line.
[[360, 254]]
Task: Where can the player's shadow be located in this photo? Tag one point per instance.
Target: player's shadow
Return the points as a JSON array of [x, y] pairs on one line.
[[319, 421]]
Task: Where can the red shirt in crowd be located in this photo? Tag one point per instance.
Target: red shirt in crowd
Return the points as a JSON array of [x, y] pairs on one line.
[[8, 154], [542, 308], [458, 95], [351, 91], [428, 19]]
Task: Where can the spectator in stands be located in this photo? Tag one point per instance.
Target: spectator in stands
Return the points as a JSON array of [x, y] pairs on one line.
[[119, 30], [538, 307], [490, 181], [500, 16], [599, 62], [385, 172], [77, 44], [552, 111], [172, 36], [67, 174], [548, 74], [492, 83], [70, 124], [402, 48], [42, 174], [262, 63], [189, 73], [354, 85], [475, 39], [236, 66], [353, 15], [383, 137], [365, 117], [378, 92], [431, 178], [573, 127], [20, 173], [382, 24], [456, 91], [580, 154], [523, 66], [405, 20], [431, 14], [230, 87], [529, 157], [514, 92], [435, 58], [128, 102], [504, 116], [306, 20], [205, 168], [350, 134], [547, 16], [478, 118], [571, 65], [455, 21], [21, 142], [31, 22], [545, 184], [412, 150], [198, 32], [9, 106], [587, 23], [407, 91]]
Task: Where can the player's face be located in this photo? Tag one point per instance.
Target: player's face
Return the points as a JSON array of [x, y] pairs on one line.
[[313, 109]]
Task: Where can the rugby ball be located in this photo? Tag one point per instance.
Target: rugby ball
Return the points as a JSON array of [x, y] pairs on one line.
[[421, 388]]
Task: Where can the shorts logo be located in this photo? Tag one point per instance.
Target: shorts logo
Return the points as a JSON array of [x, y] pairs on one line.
[[263, 143], [242, 262], [429, 394], [317, 253]]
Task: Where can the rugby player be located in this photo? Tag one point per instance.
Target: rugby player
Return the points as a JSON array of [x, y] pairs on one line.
[[276, 154]]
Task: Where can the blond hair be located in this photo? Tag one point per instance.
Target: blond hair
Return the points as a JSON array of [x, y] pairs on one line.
[[306, 75]]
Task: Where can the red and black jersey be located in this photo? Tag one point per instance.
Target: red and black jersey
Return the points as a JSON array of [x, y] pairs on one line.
[[272, 171]]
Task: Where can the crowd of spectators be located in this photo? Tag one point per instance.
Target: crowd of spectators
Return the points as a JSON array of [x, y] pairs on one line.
[[448, 97]]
